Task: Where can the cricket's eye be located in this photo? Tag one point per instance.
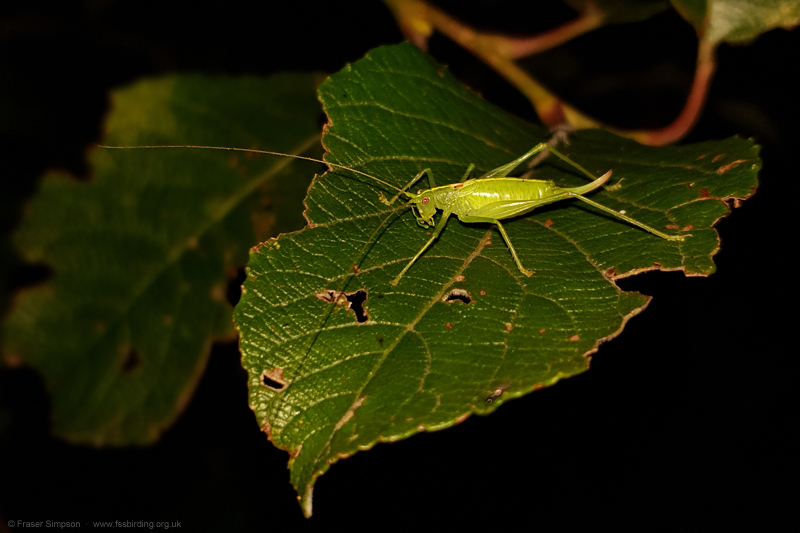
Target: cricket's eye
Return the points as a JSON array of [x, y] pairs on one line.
[[425, 201]]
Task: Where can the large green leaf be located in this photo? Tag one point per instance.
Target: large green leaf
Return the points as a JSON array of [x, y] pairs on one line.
[[142, 253], [325, 385]]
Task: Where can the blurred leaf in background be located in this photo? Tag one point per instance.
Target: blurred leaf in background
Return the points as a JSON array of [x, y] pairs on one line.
[[141, 254]]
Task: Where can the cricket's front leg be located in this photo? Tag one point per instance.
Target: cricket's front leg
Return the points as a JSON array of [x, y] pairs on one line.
[[439, 227], [469, 219]]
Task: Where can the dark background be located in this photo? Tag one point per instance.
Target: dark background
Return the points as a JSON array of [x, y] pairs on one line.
[[683, 422]]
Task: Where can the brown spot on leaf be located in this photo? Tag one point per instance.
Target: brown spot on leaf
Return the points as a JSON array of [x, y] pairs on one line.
[[508, 326], [328, 295], [574, 338], [701, 156], [488, 243], [671, 226], [458, 185], [548, 223], [688, 228], [704, 193], [350, 413], [482, 293], [542, 331], [724, 168], [657, 264], [717, 158], [449, 326], [294, 453], [496, 393], [459, 278], [265, 427]]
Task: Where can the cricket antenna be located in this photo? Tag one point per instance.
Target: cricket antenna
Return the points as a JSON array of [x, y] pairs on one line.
[[254, 151]]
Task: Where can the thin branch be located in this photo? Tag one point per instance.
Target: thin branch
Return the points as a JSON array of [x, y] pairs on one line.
[[704, 72], [516, 47], [418, 20]]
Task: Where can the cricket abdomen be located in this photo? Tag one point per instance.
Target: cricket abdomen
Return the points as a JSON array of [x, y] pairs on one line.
[[474, 195]]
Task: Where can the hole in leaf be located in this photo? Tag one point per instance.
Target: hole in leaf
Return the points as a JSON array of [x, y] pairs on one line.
[[273, 379], [355, 301], [459, 295]]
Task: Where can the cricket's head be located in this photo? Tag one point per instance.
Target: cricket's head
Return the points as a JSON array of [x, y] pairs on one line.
[[424, 207]]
